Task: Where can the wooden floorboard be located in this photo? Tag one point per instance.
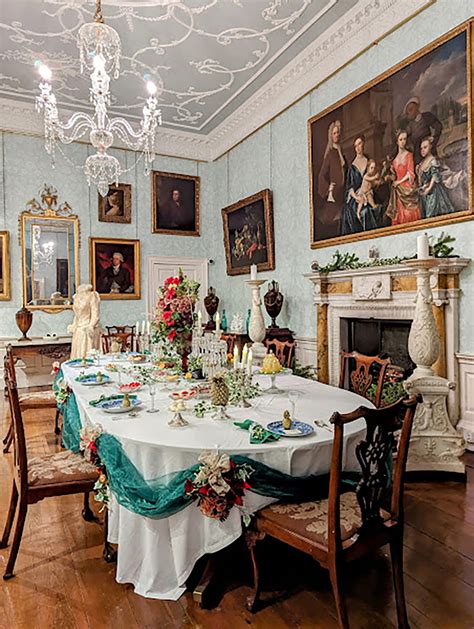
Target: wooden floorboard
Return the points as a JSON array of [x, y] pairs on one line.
[[62, 580]]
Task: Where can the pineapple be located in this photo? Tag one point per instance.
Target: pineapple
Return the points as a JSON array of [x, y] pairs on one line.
[[219, 391]]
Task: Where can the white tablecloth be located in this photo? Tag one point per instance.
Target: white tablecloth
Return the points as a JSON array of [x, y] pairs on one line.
[[157, 556]]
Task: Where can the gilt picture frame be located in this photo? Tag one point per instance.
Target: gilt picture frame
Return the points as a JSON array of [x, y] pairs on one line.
[[176, 200], [116, 206], [396, 155], [248, 234], [115, 267], [5, 294]]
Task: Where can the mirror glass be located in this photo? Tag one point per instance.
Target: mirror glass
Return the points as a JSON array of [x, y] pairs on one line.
[[50, 270]]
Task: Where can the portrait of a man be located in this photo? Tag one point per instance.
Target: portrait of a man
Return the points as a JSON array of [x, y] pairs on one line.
[[394, 155], [175, 204], [115, 268], [116, 206]]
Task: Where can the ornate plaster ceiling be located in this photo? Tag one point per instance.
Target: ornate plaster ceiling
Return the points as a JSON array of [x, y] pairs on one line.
[[210, 58]]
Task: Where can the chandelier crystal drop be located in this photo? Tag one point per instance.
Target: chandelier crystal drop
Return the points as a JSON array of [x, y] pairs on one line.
[[99, 53]]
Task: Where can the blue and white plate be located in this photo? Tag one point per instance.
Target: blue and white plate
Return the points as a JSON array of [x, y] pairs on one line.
[[298, 429], [116, 406], [91, 380], [77, 363]]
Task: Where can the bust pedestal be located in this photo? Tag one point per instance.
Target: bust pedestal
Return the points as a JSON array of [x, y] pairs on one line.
[[435, 445]]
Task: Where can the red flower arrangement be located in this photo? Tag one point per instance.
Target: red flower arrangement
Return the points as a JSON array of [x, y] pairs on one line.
[[174, 316], [218, 485]]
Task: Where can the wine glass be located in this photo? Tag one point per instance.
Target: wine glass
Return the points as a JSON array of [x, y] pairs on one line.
[[293, 397], [152, 391]]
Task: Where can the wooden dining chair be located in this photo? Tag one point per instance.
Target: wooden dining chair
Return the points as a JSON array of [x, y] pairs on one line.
[[33, 479], [29, 400], [347, 526], [283, 350], [230, 340], [359, 372], [124, 334]]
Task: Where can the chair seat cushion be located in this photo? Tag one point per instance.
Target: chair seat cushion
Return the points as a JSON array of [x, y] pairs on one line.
[[309, 520], [37, 399], [60, 468]]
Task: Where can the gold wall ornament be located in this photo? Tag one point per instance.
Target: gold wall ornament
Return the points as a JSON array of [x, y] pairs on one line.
[[48, 233]]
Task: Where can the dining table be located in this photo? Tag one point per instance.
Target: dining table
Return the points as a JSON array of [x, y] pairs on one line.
[[157, 555]]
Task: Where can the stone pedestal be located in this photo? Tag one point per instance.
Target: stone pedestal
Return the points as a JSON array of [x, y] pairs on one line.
[[435, 444], [257, 329]]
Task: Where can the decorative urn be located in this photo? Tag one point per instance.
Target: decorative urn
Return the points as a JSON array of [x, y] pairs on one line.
[[273, 301], [24, 319], [211, 303]]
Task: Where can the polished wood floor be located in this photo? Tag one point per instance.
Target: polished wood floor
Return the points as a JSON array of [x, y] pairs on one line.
[[62, 580]]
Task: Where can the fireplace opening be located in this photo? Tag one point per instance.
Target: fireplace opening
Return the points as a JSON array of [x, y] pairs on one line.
[[378, 337]]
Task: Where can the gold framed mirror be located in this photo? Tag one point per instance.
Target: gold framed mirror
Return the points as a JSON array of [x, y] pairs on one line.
[[49, 238]]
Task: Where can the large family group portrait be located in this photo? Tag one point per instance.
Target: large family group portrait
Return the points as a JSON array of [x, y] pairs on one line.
[[396, 153]]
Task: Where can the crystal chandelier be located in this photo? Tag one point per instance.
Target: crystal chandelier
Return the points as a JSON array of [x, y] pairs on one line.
[[42, 253], [100, 50]]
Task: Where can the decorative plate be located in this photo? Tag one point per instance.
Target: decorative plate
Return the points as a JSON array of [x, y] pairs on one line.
[[116, 405], [90, 380], [78, 363], [298, 429]]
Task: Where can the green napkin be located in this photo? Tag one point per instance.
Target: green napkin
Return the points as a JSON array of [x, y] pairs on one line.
[[258, 434], [118, 396]]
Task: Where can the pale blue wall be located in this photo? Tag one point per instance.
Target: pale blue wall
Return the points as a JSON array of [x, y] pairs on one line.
[[25, 167], [276, 157]]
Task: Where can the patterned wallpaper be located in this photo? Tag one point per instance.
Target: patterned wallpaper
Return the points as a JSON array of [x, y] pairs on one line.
[[276, 157]]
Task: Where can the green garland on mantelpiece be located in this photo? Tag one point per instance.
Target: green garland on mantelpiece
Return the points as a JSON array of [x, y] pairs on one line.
[[345, 261]]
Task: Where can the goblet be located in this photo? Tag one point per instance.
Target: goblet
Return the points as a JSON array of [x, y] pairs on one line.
[[293, 397], [152, 391]]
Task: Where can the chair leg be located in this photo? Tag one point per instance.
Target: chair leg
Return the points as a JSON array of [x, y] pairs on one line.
[[57, 429], [87, 512], [7, 440], [10, 516], [109, 553], [251, 538], [20, 523], [396, 553], [336, 582]]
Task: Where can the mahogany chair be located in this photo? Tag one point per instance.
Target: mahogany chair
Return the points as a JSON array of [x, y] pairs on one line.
[[34, 479], [347, 526], [30, 400], [359, 372], [230, 340], [124, 334], [283, 350]]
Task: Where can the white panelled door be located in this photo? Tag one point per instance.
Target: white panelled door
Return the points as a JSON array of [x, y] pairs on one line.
[[159, 268]]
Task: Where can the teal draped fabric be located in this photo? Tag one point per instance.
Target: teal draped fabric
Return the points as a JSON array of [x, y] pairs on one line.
[[165, 496]]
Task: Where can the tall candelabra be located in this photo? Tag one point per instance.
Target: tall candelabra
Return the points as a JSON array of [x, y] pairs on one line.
[[257, 329], [435, 444], [211, 349]]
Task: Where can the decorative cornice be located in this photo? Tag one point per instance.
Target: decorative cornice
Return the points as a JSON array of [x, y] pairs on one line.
[[368, 21]]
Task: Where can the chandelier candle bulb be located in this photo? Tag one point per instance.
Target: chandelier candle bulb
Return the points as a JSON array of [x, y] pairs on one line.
[[45, 72], [422, 247], [253, 272]]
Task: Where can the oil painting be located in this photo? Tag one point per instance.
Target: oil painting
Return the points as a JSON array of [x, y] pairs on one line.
[[175, 204], [115, 267]]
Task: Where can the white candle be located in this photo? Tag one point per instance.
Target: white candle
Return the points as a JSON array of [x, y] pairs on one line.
[[143, 326], [422, 247], [249, 362], [199, 320], [244, 355], [137, 328], [148, 327], [253, 272], [218, 322], [236, 357]]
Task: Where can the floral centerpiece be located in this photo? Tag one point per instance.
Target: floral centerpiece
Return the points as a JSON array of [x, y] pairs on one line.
[[174, 316]]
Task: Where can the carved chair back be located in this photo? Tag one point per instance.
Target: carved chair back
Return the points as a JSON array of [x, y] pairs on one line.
[[20, 458], [123, 334], [380, 477], [230, 340], [359, 372], [283, 350]]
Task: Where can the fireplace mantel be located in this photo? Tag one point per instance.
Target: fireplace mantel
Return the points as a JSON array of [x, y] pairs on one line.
[[387, 292]]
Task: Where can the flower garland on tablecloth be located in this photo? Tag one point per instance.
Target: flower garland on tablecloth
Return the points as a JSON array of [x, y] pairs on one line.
[[174, 318]]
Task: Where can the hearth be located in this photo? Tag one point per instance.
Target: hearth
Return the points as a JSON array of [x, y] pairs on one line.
[[378, 337]]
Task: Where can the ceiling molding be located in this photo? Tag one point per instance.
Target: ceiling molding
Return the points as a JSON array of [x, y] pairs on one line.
[[368, 21]]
